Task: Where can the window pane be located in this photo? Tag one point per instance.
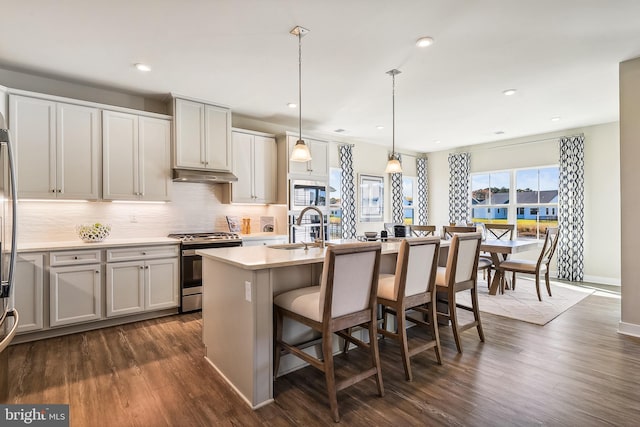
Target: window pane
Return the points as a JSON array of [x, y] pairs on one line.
[[480, 189], [499, 188], [527, 222], [549, 182], [408, 216], [335, 187], [407, 191], [492, 215], [335, 224], [527, 186]]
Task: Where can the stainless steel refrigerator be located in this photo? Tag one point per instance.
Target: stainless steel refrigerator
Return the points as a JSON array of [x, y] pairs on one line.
[[8, 314]]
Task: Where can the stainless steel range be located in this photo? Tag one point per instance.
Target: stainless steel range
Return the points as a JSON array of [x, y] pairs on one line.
[[191, 264]]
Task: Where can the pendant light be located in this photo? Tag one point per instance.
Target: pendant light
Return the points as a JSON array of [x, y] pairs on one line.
[[300, 152], [393, 165]]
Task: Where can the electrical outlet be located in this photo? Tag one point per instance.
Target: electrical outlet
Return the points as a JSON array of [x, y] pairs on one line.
[[133, 218], [247, 291]]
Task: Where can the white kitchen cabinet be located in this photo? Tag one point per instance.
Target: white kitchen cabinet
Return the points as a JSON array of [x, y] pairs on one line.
[[254, 163], [142, 279], [318, 166], [202, 136], [136, 157], [57, 148], [75, 294], [29, 291]]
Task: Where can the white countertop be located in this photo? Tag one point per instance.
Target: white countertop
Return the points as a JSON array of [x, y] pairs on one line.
[[108, 242], [261, 257]]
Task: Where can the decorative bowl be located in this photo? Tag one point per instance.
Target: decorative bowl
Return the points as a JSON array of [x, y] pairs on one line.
[[371, 234], [93, 232]]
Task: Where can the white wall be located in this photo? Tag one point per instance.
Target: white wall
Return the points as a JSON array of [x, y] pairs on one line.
[[602, 187], [629, 179]]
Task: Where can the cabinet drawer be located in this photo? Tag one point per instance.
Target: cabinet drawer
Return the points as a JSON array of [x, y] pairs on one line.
[[75, 257], [142, 252]]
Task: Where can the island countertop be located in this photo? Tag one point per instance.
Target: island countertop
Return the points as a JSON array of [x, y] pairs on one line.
[[262, 257]]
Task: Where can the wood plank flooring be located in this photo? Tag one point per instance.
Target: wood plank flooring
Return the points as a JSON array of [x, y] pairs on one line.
[[576, 370]]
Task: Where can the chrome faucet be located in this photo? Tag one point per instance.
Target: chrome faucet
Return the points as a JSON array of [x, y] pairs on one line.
[[299, 221]]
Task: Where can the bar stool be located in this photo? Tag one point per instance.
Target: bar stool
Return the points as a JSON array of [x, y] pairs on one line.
[[412, 287], [345, 298]]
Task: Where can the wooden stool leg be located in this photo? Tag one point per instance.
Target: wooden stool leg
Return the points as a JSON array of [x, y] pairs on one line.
[[404, 346], [454, 319], [375, 354], [329, 374], [434, 328], [476, 312]]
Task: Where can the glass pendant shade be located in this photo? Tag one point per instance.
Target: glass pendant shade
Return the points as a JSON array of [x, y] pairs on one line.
[[393, 165], [300, 152]]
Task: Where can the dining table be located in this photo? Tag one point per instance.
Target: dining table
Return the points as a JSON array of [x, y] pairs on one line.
[[500, 250]]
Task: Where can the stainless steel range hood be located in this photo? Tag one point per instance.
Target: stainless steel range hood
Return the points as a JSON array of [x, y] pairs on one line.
[[207, 177]]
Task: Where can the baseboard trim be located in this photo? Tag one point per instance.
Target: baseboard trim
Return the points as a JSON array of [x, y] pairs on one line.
[[600, 280], [630, 329]]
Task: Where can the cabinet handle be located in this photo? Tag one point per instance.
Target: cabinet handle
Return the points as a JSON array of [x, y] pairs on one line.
[[75, 257], [144, 253], [146, 266], [53, 190], [59, 191], [141, 267], [97, 272]]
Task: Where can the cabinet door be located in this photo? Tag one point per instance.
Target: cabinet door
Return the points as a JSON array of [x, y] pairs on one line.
[[189, 151], [264, 171], [125, 288], [161, 281], [75, 294], [318, 166], [218, 138], [33, 128], [155, 163], [28, 291], [78, 138], [242, 190], [120, 156]]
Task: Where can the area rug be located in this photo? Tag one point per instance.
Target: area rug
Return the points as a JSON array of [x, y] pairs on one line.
[[522, 304]]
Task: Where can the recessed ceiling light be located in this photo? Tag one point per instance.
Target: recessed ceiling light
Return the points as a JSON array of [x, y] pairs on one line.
[[292, 105], [339, 130], [509, 92], [555, 119], [437, 142], [424, 41], [379, 127], [499, 132], [142, 67]]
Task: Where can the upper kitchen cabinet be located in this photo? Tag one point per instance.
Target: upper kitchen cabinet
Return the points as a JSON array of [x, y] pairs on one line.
[[136, 157], [318, 166], [254, 163], [57, 146], [202, 136]]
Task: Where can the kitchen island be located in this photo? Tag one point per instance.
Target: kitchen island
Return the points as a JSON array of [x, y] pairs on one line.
[[237, 316]]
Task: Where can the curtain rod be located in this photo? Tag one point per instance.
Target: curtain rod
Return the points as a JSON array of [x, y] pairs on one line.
[[557, 138]]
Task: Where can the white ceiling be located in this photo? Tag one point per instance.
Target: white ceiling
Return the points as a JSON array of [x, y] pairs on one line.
[[562, 56]]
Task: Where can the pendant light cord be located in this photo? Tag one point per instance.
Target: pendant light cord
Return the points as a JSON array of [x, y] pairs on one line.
[[393, 116], [300, 84]]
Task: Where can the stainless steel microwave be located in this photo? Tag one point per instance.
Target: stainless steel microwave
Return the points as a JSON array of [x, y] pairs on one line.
[[305, 193]]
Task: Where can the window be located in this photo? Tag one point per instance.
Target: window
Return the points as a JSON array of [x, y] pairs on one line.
[[489, 195], [335, 203], [532, 194], [408, 196]]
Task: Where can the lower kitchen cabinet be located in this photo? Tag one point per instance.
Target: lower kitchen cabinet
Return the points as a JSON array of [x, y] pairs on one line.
[[143, 284], [75, 294], [29, 294]]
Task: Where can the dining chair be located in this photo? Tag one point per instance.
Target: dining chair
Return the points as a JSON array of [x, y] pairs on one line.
[[412, 287], [459, 275], [484, 264], [423, 230], [535, 267], [345, 298]]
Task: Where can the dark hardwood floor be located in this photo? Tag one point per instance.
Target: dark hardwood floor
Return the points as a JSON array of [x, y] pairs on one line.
[[574, 371]]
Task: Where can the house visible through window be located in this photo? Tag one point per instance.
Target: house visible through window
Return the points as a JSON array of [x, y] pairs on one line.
[[335, 203], [531, 194]]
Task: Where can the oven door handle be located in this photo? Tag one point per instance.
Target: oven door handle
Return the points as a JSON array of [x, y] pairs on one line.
[[188, 252]]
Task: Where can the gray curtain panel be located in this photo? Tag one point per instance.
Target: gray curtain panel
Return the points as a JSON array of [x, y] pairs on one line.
[[422, 214], [348, 192], [571, 209], [396, 195], [459, 167]]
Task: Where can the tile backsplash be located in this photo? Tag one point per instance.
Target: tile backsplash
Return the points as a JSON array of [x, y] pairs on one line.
[[194, 207]]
